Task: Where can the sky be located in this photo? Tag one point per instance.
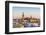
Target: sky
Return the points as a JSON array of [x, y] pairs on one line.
[[28, 11]]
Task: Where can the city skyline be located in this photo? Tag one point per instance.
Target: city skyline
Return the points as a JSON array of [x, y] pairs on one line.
[[28, 11]]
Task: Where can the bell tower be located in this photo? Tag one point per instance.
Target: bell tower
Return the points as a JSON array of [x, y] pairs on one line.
[[23, 16]]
